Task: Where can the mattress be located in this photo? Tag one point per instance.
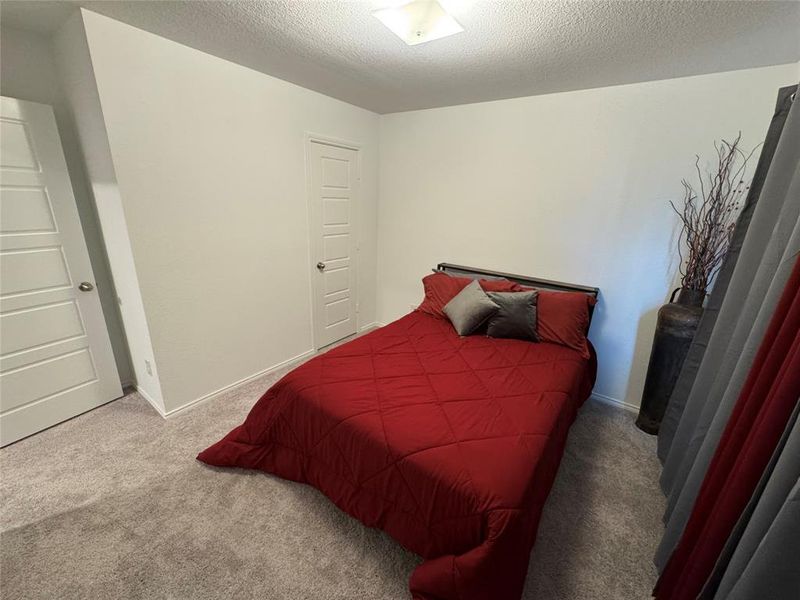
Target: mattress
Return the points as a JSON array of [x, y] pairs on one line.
[[449, 444]]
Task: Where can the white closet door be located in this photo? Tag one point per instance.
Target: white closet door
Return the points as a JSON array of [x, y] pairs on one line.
[[334, 185], [55, 356]]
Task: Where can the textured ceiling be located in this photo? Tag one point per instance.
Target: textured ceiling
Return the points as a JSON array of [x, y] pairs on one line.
[[509, 49]]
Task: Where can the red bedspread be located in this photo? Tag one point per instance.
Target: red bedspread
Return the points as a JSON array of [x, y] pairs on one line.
[[448, 444]]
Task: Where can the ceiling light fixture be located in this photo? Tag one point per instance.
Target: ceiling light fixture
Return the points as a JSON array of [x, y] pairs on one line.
[[419, 21]]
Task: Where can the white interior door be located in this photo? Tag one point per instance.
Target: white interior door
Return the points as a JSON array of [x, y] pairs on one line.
[[55, 356], [334, 185]]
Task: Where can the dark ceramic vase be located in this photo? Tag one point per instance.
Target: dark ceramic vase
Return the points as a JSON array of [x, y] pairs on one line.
[[677, 323]]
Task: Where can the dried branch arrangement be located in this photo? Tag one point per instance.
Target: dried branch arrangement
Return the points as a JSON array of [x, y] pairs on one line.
[[708, 217]]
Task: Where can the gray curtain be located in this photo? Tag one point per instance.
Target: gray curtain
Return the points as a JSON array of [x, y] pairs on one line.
[[762, 552], [756, 281], [769, 569], [694, 357]]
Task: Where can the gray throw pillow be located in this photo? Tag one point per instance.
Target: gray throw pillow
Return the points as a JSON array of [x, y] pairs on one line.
[[469, 309], [516, 317]]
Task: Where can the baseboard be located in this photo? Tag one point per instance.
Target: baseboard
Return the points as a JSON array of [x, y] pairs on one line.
[[373, 325], [152, 402], [616, 402], [235, 384]]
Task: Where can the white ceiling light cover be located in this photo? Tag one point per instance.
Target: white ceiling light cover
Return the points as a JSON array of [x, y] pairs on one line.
[[419, 21]]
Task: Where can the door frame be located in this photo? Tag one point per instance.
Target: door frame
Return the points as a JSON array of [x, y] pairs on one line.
[[315, 138]]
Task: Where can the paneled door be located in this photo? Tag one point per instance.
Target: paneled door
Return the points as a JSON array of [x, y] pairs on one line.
[[55, 356], [334, 185]]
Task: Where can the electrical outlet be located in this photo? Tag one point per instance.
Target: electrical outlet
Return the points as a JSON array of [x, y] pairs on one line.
[[148, 367]]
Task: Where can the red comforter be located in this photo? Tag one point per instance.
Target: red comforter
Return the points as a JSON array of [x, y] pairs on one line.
[[448, 444]]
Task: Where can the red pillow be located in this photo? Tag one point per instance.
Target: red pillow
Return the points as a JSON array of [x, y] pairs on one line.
[[441, 288], [563, 318]]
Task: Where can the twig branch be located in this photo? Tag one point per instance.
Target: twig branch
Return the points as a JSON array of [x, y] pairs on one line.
[[708, 218]]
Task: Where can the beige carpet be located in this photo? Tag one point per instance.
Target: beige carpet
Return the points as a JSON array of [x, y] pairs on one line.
[[112, 504]]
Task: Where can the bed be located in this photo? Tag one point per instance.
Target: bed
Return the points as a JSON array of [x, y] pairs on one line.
[[449, 444]]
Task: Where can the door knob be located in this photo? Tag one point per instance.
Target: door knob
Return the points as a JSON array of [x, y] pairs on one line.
[[85, 286], [321, 266]]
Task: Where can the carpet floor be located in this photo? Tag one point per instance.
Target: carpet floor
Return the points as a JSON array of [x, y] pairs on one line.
[[112, 504]]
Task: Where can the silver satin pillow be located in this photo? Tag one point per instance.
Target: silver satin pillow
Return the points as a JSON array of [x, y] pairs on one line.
[[469, 309], [516, 317]]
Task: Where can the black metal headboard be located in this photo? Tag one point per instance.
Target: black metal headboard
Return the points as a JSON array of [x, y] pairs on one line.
[[546, 284]]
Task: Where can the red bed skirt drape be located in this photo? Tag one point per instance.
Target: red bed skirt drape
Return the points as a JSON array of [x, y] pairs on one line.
[[757, 422]]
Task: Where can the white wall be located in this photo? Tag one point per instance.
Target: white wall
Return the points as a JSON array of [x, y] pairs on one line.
[[28, 72], [572, 186], [78, 81], [209, 158], [197, 168]]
